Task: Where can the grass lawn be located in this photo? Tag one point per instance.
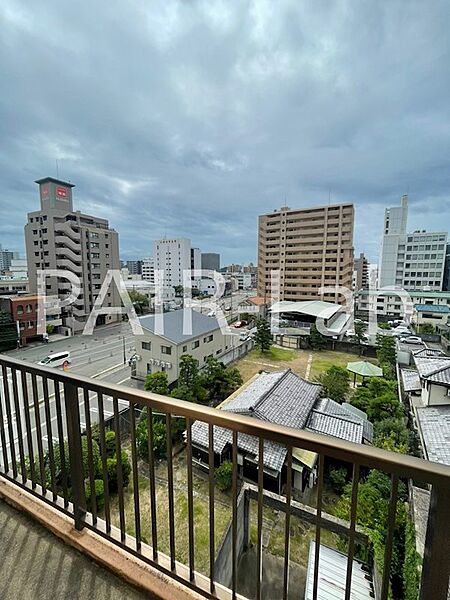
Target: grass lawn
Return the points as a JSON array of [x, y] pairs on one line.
[[277, 359]]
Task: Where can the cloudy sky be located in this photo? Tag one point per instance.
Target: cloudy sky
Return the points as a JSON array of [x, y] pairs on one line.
[[191, 118]]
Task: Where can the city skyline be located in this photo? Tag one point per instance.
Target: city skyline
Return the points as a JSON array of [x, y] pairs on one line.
[[163, 138]]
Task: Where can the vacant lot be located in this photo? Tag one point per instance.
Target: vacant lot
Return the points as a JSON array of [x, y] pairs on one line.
[[277, 359]]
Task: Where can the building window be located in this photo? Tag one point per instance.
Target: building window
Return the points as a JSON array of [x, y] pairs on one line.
[[195, 345], [208, 338], [146, 345], [20, 309], [184, 348], [166, 350], [149, 368], [28, 308]]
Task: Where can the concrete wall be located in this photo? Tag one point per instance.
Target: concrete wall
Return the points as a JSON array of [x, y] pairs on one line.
[[223, 567]]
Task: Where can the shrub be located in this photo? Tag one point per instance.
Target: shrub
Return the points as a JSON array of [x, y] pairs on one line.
[[85, 453], [110, 443], [99, 494], [224, 476], [411, 578], [338, 479], [111, 464], [159, 438]]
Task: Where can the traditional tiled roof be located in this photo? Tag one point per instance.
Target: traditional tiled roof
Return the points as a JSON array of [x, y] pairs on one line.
[[428, 352], [436, 370], [434, 423], [336, 426], [411, 380], [330, 407]]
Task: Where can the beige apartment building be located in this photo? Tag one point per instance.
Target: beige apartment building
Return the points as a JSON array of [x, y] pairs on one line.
[[57, 237], [311, 248]]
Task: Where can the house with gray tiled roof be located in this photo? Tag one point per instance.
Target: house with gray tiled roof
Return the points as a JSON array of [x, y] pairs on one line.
[[434, 373], [287, 399]]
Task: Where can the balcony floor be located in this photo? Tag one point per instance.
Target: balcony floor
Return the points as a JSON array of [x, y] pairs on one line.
[[36, 565]]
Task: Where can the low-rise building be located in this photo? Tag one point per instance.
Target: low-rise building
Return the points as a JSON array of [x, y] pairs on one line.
[[161, 350], [282, 398], [388, 303], [24, 312], [432, 314]]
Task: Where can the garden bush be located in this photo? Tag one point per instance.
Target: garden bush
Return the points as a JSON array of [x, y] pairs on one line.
[[224, 476]]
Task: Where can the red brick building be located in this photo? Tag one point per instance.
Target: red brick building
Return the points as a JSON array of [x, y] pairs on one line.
[[23, 310]]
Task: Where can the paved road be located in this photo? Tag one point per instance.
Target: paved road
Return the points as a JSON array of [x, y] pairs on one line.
[[99, 356]]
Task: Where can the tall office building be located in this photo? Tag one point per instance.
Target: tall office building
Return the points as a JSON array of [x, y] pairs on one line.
[[173, 257], [412, 261], [6, 256], [361, 272], [311, 248], [211, 261], [57, 237], [148, 269], [134, 267]]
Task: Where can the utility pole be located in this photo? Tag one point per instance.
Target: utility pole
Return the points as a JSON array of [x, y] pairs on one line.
[[124, 354]]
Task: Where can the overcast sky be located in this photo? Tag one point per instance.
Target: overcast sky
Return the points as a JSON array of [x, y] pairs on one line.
[[191, 118]]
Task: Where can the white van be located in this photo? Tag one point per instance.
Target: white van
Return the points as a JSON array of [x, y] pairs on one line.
[[59, 359]]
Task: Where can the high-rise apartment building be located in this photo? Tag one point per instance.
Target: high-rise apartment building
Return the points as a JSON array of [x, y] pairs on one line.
[[311, 248], [412, 261], [361, 272], [148, 269], [6, 256], [57, 237], [134, 267], [173, 257]]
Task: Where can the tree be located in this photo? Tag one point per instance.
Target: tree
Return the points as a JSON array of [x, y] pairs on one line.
[[189, 386], [316, 339], [360, 331], [426, 328], [219, 381], [179, 291], [140, 301], [378, 399], [335, 383], [263, 336], [386, 352], [159, 434], [157, 383], [8, 332]]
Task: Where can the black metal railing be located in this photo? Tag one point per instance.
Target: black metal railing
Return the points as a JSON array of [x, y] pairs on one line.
[[51, 422]]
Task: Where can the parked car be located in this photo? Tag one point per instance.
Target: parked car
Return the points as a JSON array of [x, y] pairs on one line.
[[59, 359], [413, 339], [239, 324], [244, 336]]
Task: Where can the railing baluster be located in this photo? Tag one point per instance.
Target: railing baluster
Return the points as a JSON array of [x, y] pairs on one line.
[[37, 419], [48, 429], [212, 544], [119, 468], [2, 434], [234, 515], [19, 425], [351, 540], [436, 558], [190, 497], [259, 570], [151, 468], [87, 418], [389, 537], [26, 408], [170, 490], [62, 451], [137, 512], [75, 453], [318, 526], [287, 524], [101, 424], [12, 443]]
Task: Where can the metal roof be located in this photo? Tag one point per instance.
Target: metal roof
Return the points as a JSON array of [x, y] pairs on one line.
[[173, 325], [432, 308], [434, 424], [313, 308], [333, 573]]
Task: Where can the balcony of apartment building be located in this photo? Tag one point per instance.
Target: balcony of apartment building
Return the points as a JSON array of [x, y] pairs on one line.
[[73, 459]]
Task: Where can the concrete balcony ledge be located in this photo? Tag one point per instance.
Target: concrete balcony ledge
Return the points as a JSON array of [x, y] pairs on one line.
[[37, 565]]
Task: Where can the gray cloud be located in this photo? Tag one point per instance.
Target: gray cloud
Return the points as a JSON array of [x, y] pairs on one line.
[[191, 118]]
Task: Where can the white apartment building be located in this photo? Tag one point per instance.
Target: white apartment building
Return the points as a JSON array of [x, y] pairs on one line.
[[413, 261], [148, 269], [172, 256]]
